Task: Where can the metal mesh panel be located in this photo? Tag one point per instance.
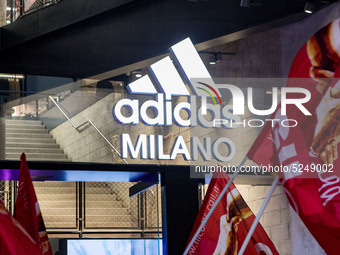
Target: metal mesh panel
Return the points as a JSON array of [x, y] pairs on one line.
[[146, 211], [107, 205], [104, 206], [6, 194], [58, 203], [153, 207]]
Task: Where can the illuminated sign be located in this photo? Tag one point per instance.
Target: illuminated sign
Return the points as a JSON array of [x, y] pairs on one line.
[[169, 84]]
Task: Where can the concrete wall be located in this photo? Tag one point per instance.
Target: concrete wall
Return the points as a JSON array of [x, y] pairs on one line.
[[257, 56], [294, 36], [282, 224], [87, 145], [276, 217]]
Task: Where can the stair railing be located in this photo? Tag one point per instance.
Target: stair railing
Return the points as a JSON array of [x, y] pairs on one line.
[[85, 123]]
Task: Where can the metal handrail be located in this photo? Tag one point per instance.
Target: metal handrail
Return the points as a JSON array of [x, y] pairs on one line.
[[83, 124]]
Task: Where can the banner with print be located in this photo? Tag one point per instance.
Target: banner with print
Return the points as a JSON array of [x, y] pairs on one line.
[[228, 225], [27, 210], [305, 153]]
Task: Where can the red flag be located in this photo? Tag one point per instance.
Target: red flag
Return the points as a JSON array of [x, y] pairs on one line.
[[13, 237], [27, 210], [228, 225], [307, 155]]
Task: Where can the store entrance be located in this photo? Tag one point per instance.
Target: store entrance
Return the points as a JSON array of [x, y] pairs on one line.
[[156, 205]]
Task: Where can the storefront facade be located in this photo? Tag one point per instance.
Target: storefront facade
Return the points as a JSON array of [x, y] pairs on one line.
[[115, 156]]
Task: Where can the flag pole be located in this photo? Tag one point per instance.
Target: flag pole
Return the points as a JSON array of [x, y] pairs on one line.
[[257, 218], [214, 206]]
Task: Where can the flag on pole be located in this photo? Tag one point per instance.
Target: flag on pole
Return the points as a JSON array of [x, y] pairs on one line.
[[306, 155], [229, 224], [27, 210], [13, 237]]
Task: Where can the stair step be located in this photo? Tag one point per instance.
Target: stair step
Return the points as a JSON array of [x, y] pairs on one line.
[[53, 190], [58, 211], [107, 211], [44, 139], [104, 204], [28, 135], [56, 203], [60, 224], [100, 224], [25, 122], [34, 150], [43, 198], [20, 126], [47, 159], [26, 131], [101, 197], [108, 218], [41, 159], [37, 155], [32, 145], [55, 184], [61, 220], [98, 190]]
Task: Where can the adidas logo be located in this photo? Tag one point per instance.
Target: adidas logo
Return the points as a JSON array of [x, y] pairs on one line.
[[168, 83]]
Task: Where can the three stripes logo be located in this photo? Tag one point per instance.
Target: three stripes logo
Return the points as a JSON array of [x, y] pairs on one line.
[[169, 82]]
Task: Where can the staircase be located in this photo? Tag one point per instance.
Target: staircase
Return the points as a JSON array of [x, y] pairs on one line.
[[58, 203], [31, 137], [57, 200], [104, 208]]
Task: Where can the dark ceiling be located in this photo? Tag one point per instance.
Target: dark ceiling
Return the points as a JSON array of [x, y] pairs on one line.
[[82, 38]]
